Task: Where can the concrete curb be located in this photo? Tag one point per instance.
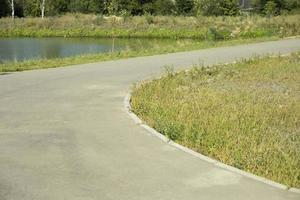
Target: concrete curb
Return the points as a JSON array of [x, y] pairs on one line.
[[139, 122]]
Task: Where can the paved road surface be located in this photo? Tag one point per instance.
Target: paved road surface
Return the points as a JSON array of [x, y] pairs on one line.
[[64, 135]]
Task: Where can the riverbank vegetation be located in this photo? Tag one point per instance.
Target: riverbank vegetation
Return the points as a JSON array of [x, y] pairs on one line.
[[179, 45], [197, 19], [246, 114], [201, 28]]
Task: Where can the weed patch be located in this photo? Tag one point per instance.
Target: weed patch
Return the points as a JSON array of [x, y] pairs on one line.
[[246, 115]]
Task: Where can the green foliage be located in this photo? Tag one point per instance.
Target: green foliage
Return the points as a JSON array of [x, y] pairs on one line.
[[230, 7], [112, 7], [32, 8], [245, 115], [4, 8], [184, 7], [207, 7], [86, 6], [56, 7], [134, 7], [146, 7], [216, 7], [270, 8], [275, 7], [164, 7]]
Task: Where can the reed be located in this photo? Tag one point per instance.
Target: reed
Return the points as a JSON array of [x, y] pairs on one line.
[[203, 28]]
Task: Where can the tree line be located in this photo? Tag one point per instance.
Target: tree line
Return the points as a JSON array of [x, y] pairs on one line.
[[39, 8]]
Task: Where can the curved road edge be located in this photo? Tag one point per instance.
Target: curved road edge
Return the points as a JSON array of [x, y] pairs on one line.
[[152, 131]]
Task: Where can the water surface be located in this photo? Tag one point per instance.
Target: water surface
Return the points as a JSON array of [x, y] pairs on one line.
[[20, 49]]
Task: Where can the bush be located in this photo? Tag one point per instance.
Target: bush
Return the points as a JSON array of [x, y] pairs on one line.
[[230, 7], [207, 7], [270, 8], [216, 7], [164, 7], [275, 7], [184, 7]]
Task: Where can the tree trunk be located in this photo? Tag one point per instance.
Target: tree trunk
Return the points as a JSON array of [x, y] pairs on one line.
[[12, 5], [43, 8]]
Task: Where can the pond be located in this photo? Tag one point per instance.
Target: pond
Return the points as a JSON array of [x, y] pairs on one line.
[[20, 49]]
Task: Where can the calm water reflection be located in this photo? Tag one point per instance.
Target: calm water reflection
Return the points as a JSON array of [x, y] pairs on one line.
[[18, 49]]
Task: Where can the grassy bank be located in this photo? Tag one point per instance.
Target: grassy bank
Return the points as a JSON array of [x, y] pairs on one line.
[[203, 28], [246, 114], [159, 49], [207, 32]]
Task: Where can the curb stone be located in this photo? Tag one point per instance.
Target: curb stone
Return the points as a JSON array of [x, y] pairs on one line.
[[152, 131]]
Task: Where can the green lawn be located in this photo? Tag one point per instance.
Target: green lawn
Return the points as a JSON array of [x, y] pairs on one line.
[[246, 115]]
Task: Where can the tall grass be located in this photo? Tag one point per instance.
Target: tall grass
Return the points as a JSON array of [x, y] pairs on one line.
[[246, 115], [204, 28]]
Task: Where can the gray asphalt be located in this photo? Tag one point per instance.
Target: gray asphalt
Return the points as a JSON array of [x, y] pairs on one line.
[[64, 135]]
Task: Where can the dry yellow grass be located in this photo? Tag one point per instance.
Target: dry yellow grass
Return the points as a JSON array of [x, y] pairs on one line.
[[204, 28], [246, 115]]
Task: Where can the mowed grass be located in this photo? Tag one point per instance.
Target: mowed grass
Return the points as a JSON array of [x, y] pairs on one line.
[[246, 115]]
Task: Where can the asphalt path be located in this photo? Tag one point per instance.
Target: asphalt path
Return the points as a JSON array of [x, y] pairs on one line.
[[65, 135]]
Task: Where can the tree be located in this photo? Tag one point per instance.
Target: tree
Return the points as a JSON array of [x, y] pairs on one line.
[[56, 7], [12, 7], [216, 7], [164, 7], [207, 7], [88, 6], [270, 8], [230, 7], [38, 8], [4, 8], [43, 8], [32, 8], [139, 7], [135, 7], [113, 7], [184, 7], [274, 7]]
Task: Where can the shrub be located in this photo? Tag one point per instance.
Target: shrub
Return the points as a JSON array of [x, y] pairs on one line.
[[230, 7], [164, 7], [270, 8], [184, 7], [216, 7], [207, 7]]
